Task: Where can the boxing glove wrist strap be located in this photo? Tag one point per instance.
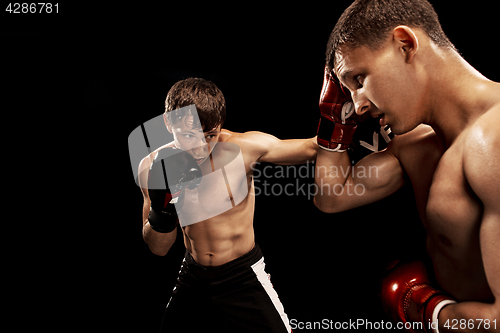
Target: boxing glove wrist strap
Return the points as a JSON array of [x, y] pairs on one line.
[[335, 136], [437, 309], [162, 222]]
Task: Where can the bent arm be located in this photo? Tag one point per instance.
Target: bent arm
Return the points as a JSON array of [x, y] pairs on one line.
[[342, 187], [159, 243]]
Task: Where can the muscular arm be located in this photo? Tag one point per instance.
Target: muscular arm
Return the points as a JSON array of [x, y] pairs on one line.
[[267, 148], [481, 168], [159, 243], [374, 177]]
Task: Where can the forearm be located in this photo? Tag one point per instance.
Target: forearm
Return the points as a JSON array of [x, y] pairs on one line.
[[159, 243], [342, 186], [331, 172], [282, 152], [469, 317], [307, 150]]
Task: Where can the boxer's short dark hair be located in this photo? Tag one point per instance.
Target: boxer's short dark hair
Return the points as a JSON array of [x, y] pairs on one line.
[[207, 97], [369, 22]]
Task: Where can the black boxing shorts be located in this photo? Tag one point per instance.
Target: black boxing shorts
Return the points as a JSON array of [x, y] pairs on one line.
[[235, 297]]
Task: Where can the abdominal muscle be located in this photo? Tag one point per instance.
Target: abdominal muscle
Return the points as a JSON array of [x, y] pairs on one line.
[[222, 238]]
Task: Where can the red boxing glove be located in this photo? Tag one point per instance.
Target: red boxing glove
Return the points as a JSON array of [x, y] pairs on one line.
[[408, 297], [338, 120]]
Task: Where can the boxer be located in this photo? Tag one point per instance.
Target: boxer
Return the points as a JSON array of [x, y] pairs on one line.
[[395, 64], [222, 284]]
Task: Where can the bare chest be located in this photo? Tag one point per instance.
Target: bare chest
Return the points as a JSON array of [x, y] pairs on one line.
[[221, 189], [452, 212], [452, 220]]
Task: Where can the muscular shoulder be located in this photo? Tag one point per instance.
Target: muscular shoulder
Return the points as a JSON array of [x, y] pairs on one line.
[[483, 138], [251, 143], [247, 140], [243, 139], [146, 162], [485, 130], [481, 154]]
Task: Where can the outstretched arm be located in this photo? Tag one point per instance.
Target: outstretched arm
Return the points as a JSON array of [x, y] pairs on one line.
[[263, 147]]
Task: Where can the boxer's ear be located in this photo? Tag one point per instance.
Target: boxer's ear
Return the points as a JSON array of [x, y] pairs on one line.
[[167, 123], [406, 41]]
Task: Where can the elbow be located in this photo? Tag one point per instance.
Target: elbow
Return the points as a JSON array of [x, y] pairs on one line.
[[156, 247], [158, 251], [496, 313], [326, 207]]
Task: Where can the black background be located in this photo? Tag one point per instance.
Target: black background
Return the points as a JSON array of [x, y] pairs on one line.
[[80, 81]]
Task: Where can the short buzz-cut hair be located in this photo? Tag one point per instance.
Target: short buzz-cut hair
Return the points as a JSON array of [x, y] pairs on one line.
[[205, 95], [369, 22]]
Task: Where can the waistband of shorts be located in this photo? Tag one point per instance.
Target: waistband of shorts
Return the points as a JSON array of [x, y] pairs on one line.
[[239, 264]]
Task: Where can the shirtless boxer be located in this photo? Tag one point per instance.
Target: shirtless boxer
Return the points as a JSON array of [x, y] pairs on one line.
[[397, 65], [222, 283]]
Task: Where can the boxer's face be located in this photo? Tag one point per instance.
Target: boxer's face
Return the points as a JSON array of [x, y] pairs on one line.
[[382, 83], [192, 139]]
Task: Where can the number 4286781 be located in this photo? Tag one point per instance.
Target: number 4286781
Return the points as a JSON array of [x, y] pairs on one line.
[[32, 8]]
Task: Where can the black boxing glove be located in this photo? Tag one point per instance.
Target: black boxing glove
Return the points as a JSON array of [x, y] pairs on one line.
[[171, 172]]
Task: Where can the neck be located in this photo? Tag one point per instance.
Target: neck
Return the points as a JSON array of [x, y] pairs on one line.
[[459, 94]]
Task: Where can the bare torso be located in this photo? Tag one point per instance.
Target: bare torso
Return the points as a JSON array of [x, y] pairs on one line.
[[450, 211], [223, 238], [230, 234], [217, 216]]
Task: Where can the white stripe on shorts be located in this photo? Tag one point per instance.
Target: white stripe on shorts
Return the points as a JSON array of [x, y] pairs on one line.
[[265, 281]]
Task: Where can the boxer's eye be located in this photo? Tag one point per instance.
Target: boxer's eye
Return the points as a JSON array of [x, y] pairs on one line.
[[358, 79]]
